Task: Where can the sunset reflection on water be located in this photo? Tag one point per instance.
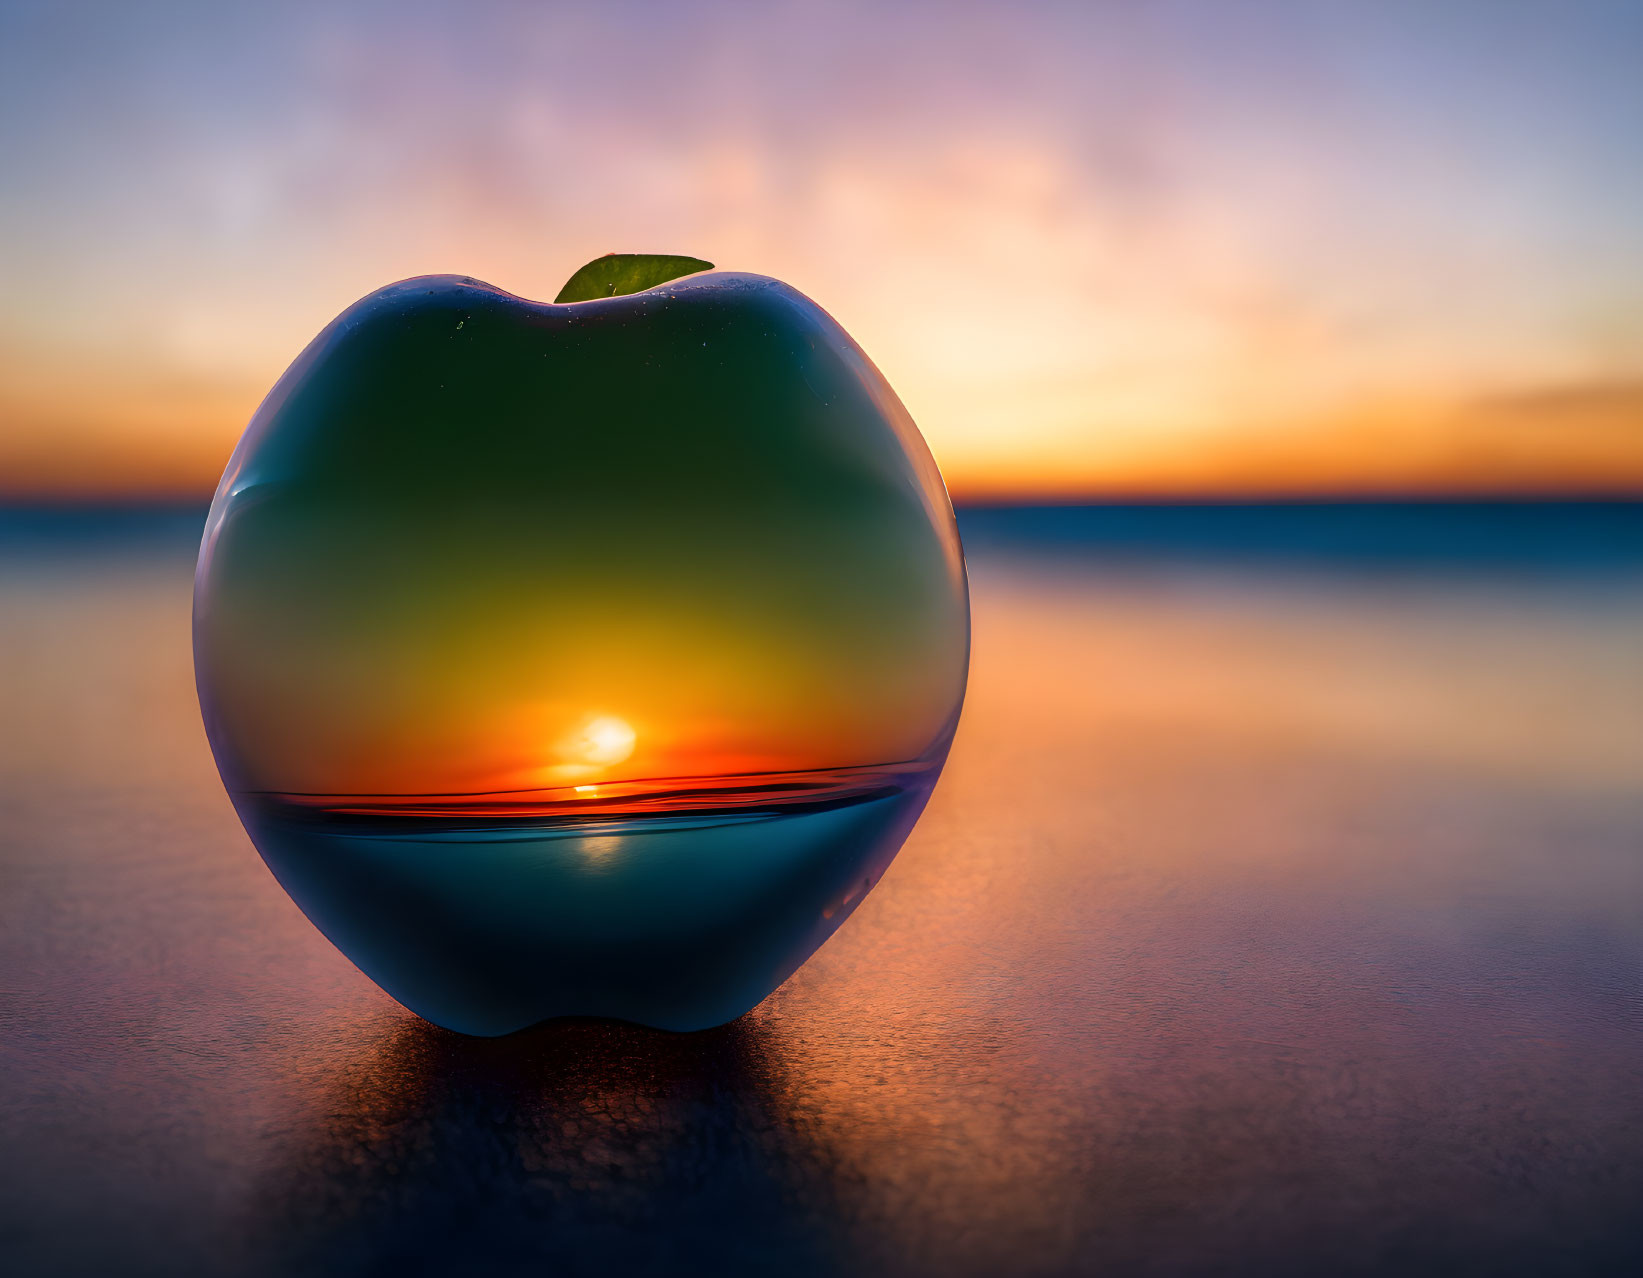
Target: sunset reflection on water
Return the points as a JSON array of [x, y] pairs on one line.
[[1275, 919]]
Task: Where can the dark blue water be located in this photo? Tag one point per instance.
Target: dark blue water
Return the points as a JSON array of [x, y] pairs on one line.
[[676, 923], [1387, 536], [1525, 535]]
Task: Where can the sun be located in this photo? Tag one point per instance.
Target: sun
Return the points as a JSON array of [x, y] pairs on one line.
[[602, 740]]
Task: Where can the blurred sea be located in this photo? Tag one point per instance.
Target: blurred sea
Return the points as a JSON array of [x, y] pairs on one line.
[[1280, 912]]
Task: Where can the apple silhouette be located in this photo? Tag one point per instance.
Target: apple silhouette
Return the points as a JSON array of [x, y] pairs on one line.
[[587, 658]]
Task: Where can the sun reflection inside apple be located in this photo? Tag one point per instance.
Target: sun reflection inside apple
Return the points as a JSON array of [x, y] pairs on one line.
[[601, 741]]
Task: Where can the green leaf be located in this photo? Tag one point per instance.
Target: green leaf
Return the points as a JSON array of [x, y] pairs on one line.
[[616, 274]]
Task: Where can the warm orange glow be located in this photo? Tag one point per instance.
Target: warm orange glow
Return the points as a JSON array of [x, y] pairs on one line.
[[123, 434]]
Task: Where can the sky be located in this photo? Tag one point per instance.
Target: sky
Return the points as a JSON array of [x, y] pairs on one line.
[[1136, 248]]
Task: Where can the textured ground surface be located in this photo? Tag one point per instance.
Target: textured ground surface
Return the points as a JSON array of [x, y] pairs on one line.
[[1274, 916]]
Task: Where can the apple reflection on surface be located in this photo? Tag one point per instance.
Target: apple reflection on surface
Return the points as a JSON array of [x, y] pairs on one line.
[[1182, 942]]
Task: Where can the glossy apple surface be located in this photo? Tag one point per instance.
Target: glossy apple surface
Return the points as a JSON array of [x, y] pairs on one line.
[[582, 659]]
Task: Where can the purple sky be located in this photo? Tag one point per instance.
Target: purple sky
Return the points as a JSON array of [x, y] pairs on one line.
[[1092, 245]]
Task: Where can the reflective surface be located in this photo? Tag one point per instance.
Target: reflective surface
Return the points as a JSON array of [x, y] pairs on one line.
[[588, 659], [1278, 913]]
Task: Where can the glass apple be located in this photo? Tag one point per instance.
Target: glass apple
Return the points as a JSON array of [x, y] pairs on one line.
[[589, 658]]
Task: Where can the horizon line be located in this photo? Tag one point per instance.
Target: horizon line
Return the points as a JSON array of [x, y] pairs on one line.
[[112, 503]]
